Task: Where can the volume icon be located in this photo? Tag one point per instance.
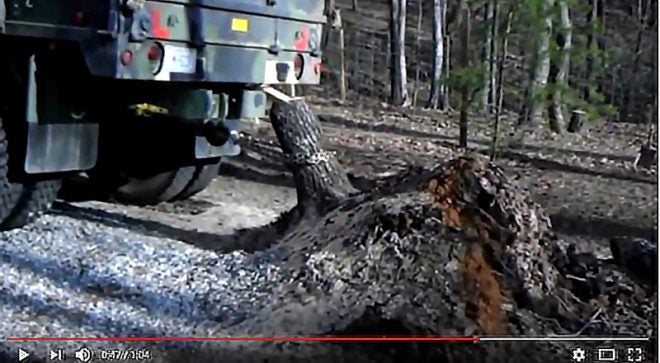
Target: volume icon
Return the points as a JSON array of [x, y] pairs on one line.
[[84, 355]]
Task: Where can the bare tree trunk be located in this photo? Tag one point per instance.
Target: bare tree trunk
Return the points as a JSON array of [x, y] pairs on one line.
[[445, 103], [465, 64], [601, 42], [321, 182], [488, 57], [438, 54], [398, 45], [629, 94], [595, 47], [355, 5], [559, 72], [592, 17], [342, 64], [540, 69], [499, 94], [418, 47]]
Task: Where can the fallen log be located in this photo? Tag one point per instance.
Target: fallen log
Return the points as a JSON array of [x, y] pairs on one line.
[[456, 250]]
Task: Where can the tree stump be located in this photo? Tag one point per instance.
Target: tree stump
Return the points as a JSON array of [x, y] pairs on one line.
[[646, 157], [577, 121], [321, 183]]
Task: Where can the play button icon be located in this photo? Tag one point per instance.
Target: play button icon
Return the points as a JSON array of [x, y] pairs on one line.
[[22, 355]]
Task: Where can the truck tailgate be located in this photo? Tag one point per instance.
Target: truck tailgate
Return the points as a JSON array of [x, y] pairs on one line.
[[287, 25]]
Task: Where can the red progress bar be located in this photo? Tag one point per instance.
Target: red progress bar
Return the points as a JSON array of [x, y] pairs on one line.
[[261, 339]]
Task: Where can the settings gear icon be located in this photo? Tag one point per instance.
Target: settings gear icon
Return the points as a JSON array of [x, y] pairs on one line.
[[579, 355]]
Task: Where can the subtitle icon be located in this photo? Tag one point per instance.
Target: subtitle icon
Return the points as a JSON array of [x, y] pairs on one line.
[[606, 354]]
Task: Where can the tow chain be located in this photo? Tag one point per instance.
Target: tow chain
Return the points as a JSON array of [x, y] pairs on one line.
[[269, 149], [303, 159]]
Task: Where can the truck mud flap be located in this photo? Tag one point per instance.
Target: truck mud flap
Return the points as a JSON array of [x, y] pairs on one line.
[[61, 147], [56, 146], [3, 15]]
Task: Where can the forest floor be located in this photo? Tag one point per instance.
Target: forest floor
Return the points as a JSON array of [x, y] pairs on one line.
[[585, 181]]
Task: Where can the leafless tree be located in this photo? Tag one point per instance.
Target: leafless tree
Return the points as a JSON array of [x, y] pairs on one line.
[[488, 56], [532, 113], [499, 94], [560, 67], [398, 53], [642, 10], [435, 97], [418, 48], [594, 45], [466, 96]]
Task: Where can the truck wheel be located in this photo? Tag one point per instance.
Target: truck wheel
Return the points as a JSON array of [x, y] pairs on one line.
[[204, 175], [20, 203], [155, 189], [9, 192], [34, 200]]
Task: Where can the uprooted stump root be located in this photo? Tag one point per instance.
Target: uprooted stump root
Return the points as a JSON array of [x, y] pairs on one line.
[[453, 251], [457, 250], [463, 233]]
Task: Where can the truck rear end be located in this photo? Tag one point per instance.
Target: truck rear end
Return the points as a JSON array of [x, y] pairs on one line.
[[146, 97]]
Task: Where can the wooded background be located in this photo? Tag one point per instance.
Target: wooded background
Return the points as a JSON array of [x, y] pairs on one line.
[[545, 59]]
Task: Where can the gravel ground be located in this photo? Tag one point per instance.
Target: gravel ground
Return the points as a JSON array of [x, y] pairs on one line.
[[97, 269]]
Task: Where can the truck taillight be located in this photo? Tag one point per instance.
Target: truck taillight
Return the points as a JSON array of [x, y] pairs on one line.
[[155, 55], [79, 18], [298, 65], [155, 52], [126, 57]]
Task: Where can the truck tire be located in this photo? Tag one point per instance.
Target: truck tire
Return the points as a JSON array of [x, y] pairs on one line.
[[204, 175], [20, 203], [34, 200], [10, 192], [155, 189]]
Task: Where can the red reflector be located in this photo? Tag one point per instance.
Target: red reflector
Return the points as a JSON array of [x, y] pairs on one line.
[[318, 67], [79, 17], [126, 57], [154, 52]]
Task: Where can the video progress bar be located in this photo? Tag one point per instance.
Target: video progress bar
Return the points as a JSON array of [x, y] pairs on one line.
[[338, 339]]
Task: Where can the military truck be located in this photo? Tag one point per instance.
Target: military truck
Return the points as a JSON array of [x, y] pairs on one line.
[[143, 97]]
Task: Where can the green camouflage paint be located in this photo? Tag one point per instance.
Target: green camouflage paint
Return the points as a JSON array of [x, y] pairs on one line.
[[201, 41]]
